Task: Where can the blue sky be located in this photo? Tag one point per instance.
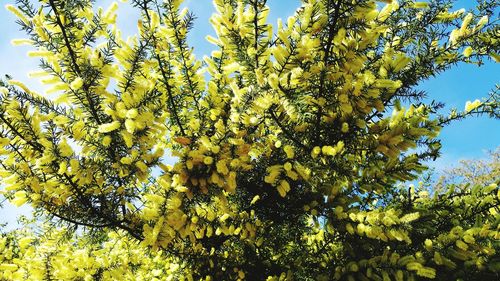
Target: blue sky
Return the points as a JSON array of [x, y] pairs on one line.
[[465, 139]]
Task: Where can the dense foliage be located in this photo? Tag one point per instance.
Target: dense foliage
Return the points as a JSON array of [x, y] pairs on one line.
[[292, 143], [47, 252]]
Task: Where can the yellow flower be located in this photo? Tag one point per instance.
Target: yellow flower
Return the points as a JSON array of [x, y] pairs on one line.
[[65, 149], [132, 113], [106, 141], [328, 150], [109, 127], [345, 127], [17, 13], [19, 42], [316, 151], [466, 22], [482, 22], [208, 160], [76, 84], [467, 52], [20, 85], [290, 153], [127, 138], [20, 198], [283, 188], [255, 199], [24, 242], [40, 53], [130, 125], [8, 267], [420, 5], [141, 166], [469, 106], [287, 166], [273, 81], [277, 144]]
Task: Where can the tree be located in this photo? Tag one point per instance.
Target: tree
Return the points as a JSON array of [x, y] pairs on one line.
[[288, 159], [474, 172]]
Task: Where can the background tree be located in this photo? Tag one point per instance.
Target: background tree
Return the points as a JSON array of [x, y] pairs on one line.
[[474, 172], [290, 140]]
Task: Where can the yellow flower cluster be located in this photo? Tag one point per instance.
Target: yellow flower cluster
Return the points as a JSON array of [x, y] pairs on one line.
[[55, 256]]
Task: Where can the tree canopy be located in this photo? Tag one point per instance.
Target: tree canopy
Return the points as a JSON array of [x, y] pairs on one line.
[[294, 144]]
